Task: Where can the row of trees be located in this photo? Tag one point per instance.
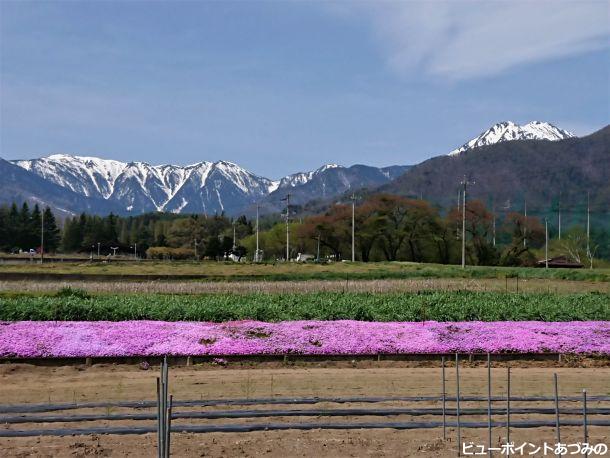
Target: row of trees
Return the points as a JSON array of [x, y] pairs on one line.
[[158, 235], [392, 228], [21, 228], [388, 227]]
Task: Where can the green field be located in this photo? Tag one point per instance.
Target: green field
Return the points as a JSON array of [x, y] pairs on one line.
[[218, 271], [430, 305]]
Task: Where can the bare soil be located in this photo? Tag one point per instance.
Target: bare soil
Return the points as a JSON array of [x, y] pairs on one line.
[[24, 383]]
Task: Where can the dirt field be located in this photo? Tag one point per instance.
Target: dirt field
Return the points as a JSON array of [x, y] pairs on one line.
[[21, 384]]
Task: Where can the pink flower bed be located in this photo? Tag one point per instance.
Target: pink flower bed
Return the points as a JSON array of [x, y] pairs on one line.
[[35, 339]]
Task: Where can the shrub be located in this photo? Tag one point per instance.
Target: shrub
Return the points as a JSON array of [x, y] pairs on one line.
[[162, 252]]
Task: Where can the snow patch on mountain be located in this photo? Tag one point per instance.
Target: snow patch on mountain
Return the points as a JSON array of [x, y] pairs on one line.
[[508, 131], [301, 178], [90, 176]]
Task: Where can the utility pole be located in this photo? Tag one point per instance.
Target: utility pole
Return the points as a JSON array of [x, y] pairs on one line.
[[287, 199], [457, 226], [588, 226], [465, 183], [256, 256], [353, 228], [42, 237], [234, 244], [98, 250], [589, 254], [525, 225], [318, 247], [546, 243]]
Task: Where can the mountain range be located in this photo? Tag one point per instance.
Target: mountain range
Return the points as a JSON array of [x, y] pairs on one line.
[[72, 184], [499, 157]]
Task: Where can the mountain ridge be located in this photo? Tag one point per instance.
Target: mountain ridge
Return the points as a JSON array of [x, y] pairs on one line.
[[203, 187], [510, 131]]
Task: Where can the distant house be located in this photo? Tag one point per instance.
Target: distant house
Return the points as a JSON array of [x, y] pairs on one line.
[[302, 257], [560, 262]]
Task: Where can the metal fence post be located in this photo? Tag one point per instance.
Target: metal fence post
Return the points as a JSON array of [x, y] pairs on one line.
[[508, 405], [557, 424], [488, 404], [444, 399], [159, 419], [457, 385], [164, 412], [168, 424], [584, 416]]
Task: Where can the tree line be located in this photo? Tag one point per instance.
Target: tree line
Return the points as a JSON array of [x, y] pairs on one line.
[[22, 229], [387, 228], [394, 228]]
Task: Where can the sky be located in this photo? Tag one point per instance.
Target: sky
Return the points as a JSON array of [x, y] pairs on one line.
[[280, 87]]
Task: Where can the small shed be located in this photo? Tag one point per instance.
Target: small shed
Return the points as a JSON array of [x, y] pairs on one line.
[[559, 262]]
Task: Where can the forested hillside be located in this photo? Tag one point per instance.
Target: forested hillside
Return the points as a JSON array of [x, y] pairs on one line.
[[550, 176]]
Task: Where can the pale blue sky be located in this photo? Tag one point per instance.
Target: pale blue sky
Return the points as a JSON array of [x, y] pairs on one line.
[[281, 87]]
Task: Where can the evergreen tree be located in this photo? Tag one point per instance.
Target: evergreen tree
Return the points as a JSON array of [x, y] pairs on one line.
[[51, 232], [4, 229], [161, 240], [110, 235], [12, 229], [33, 228], [72, 240], [22, 236], [93, 232], [213, 248]]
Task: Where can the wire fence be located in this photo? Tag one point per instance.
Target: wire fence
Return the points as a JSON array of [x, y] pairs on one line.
[[497, 408]]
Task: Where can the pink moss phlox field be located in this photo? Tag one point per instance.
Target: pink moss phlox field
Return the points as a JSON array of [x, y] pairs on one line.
[[47, 339]]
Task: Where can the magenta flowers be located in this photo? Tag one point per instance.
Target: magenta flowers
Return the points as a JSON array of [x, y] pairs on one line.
[[35, 339]]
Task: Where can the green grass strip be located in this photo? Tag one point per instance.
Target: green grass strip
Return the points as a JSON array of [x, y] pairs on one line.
[[428, 305]]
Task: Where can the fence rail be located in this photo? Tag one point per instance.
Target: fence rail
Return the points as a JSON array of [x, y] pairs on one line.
[[448, 406]]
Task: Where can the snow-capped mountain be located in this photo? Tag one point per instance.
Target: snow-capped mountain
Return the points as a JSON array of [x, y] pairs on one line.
[[301, 178], [508, 131], [204, 187], [140, 187], [329, 181]]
